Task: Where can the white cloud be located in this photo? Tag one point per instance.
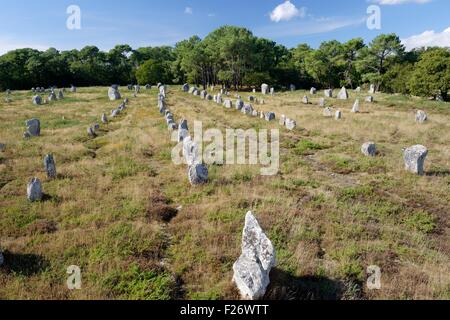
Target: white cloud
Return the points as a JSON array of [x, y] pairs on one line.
[[396, 2], [8, 44], [188, 10], [428, 39], [286, 11]]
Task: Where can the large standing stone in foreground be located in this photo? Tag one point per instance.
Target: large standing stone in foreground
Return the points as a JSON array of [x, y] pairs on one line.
[[355, 108], [50, 166], [414, 158], [113, 93], [33, 127], [343, 94], [265, 89], [369, 149], [328, 93], [198, 174], [252, 269], [34, 190], [421, 116], [37, 100]]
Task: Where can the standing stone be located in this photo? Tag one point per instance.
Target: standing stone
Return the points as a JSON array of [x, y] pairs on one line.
[[421, 116], [34, 190], [414, 158], [52, 96], [270, 116], [239, 104], [262, 115], [255, 113], [73, 89], [251, 99], [252, 269], [198, 174], [96, 127], [322, 102], [185, 87], [290, 124], [272, 91], [91, 132], [328, 93], [190, 152], [282, 121], [355, 108], [247, 110], [358, 90], [228, 104], [338, 115], [37, 100], [192, 89], [305, 100], [50, 166], [113, 93], [182, 134], [33, 127], [372, 89], [203, 94], [327, 112], [209, 97], [60, 95], [343, 94], [313, 91], [148, 86], [137, 88], [292, 87], [369, 99], [265, 89], [369, 149], [254, 90], [115, 113], [104, 119]]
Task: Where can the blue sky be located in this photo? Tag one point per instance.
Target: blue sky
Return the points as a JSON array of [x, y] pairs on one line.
[[42, 24]]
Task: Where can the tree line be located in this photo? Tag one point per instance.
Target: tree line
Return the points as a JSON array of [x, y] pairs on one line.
[[233, 57]]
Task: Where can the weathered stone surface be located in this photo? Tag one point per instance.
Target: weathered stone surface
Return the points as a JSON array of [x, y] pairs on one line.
[[372, 89], [305, 100], [252, 269], [358, 90], [203, 94], [52, 96], [251, 99], [60, 95], [421, 116], [313, 91], [148, 86], [369, 99], [255, 113], [219, 99], [290, 124], [265, 89], [198, 174], [282, 121], [50, 166], [292, 87], [369, 149], [270, 116], [338, 115], [33, 127], [272, 91], [228, 104], [414, 158], [192, 89], [115, 113], [190, 152], [327, 112], [209, 97], [328, 93], [126, 100], [182, 134], [137, 88], [34, 190], [113, 93], [96, 127], [184, 124], [37, 100], [343, 94], [262, 115], [104, 119], [355, 108]]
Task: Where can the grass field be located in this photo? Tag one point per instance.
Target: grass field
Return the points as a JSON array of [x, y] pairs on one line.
[[330, 212]]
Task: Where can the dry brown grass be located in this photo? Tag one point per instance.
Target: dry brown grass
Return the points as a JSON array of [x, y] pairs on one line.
[[330, 212]]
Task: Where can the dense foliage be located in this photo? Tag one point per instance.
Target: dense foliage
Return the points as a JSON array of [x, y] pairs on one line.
[[234, 57]]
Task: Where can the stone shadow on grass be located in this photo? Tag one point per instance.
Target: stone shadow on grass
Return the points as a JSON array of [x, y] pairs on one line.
[[24, 264], [285, 286]]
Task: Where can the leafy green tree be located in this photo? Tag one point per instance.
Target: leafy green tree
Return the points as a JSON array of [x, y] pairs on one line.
[[431, 75], [152, 71]]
